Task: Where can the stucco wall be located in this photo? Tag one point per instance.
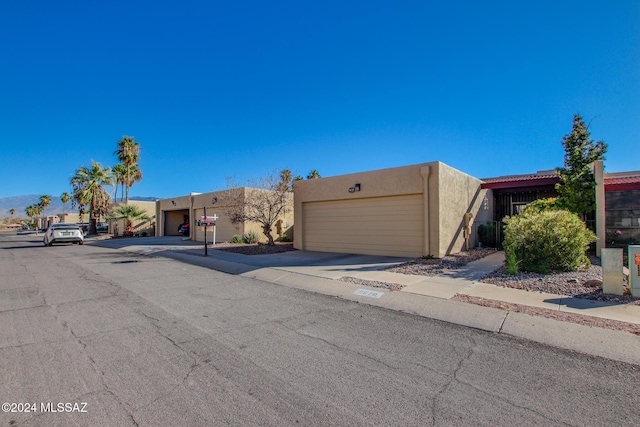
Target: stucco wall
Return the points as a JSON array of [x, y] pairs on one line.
[[147, 227], [380, 183], [447, 195], [459, 193]]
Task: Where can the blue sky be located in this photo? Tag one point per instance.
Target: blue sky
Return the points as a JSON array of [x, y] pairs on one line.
[[219, 89]]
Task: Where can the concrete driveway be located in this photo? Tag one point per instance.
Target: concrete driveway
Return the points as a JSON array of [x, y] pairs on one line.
[[320, 264]]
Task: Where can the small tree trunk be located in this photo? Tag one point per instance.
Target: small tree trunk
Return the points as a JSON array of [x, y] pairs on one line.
[[267, 232]]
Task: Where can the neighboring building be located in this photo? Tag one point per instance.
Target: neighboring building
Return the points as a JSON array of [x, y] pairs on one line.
[[510, 194], [140, 227], [617, 217], [411, 211], [172, 213], [622, 209]]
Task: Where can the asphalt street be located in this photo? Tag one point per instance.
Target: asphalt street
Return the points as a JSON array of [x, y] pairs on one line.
[[127, 339]]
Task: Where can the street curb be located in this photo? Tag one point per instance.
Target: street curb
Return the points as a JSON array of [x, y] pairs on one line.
[[611, 344]]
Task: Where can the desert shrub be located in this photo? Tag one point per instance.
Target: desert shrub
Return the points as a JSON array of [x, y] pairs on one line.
[[548, 204], [511, 264], [548, 240], [236, 238], [284, 238], [251, 237]]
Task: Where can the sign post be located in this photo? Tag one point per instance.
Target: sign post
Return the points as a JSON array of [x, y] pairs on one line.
[[205, 232], [204, 222]]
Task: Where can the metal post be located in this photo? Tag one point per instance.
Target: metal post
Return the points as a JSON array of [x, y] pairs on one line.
[[205, 231]]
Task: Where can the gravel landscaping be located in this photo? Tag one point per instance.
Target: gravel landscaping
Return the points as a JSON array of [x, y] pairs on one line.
[[585, 283], [436, 266]]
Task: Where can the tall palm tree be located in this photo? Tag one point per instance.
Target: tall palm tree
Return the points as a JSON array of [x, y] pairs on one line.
[[44, 202], [135, 175], [89, 189], [120, 175], [12, 211], [128, 153], [64, 198]]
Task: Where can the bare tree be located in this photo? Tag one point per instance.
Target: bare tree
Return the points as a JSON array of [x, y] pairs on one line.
[[264, 201]]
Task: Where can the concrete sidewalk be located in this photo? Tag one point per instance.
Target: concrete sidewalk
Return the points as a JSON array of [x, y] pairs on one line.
[[425, 296]]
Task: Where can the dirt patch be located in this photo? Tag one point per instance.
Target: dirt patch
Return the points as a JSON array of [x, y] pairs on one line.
[[580, 319], [259, 249]]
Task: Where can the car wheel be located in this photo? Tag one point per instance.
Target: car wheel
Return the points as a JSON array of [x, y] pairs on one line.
[[81, 242], [50, 244]]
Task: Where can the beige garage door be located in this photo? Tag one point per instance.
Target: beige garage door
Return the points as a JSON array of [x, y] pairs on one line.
[[390, 226]]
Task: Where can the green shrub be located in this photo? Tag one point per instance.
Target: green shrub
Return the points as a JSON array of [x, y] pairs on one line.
[[548, 240], [511, 264], [236, 238], [548, 204], [251, 237], [284, 238]]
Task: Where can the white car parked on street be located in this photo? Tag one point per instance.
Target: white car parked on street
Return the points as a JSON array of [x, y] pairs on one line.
[[63, 233]]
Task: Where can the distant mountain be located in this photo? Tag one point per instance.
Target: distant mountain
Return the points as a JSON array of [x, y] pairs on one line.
[[20, 203]]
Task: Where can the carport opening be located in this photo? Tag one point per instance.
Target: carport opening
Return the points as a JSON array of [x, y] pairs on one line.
[[173, 221]]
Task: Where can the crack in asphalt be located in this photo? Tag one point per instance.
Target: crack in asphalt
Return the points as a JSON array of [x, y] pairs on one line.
[[334, 345]]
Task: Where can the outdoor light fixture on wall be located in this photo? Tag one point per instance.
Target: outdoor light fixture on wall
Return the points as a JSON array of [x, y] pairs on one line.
[[354, 188], [214, 200], [173, 202]]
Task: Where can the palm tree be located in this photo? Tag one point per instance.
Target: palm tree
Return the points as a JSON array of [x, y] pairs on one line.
[[135, 175], [129, 213], [44, 202], [64, 198], [128, 153], [286, 176], [12, 211], [120, 173], [32, 212], [88, 189], [313, 174]]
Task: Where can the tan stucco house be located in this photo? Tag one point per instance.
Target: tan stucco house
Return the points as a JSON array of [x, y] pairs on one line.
[[171, 213], [410, 211]]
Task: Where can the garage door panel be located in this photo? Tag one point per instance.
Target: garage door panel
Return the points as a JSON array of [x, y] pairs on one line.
[[378, 226]]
